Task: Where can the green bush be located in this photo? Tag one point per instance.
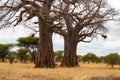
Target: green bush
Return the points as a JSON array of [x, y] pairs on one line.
[[90, 57], [112, 59]]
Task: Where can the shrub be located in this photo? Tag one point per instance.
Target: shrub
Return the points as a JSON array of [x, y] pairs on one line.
[[90, 57], [112, 59]]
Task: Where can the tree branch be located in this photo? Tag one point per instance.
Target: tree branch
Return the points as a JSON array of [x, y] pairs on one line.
[[70, 2]]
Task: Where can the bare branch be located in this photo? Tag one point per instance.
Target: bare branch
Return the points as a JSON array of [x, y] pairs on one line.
[[70, 2]]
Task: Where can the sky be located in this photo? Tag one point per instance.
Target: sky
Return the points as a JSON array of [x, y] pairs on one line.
[[98, 46]]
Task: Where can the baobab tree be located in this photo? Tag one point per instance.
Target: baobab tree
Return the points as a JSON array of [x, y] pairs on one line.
[[80, 21], [76, 20], [14, 12]]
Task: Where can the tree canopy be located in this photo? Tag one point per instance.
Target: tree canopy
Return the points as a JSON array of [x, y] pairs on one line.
[[30, 43], [27, 41]]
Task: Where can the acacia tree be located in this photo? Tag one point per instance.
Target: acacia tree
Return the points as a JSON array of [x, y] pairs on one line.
[[90, 57], [80, 21], [4, 50], [112, 59], [30, 43]]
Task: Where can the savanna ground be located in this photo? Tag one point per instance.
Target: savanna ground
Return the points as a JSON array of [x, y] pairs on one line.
[[26, 71]]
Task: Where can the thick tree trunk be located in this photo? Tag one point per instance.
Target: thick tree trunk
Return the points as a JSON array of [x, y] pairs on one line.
[[44, 56], [70, 56]]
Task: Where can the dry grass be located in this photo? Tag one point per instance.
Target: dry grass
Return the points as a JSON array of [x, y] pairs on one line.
[[19, 71]]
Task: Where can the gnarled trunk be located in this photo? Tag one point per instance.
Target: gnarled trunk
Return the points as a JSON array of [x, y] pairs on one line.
[[70, 56], [44, 56]]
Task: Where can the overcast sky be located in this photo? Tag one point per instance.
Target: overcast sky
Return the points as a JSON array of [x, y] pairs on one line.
[[98, 46]]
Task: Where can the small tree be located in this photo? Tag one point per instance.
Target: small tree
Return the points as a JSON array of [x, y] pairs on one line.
[[30, 43], [4, 50], [11, 56], [90, 57], [22, 54], [112, 59], [58, 55]]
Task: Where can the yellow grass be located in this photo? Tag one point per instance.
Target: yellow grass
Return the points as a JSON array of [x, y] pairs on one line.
[[20, 71]]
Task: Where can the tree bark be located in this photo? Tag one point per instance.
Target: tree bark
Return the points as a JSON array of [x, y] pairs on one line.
[[44, 56], [70, 56]]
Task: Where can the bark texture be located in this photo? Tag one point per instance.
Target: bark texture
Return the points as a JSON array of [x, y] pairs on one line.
[[70, 55], [44, 56]]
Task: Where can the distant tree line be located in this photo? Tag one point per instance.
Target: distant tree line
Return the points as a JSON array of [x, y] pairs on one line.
[[28, 48], [110, 59]]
